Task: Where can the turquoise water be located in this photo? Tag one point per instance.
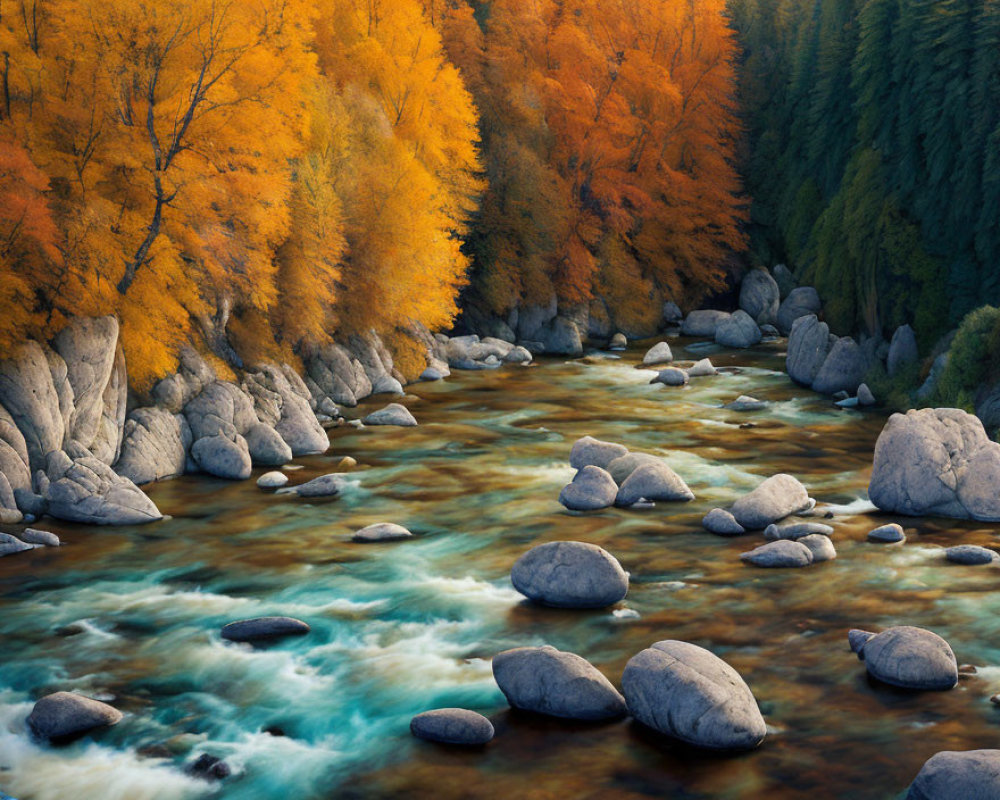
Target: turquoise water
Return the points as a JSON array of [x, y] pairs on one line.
[[133, 615]]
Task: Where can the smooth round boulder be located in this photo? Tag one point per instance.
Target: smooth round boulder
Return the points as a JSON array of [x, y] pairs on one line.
[[591, 452], [622, 467], [452, 726], [592, 489], [393, 414], [264, 628], [64, 715], [570, 575], [970, 555], [653, 482], [738, 331], [820, 546], [722, 523], [688, 693], [911, 658], [778, 497], [548, 681], [672, 376], [382, 532], [865, 396], [760, 296], [658, 354], [783, 554], [958, 775], [272, 480], [887, 534], [703, 323], [796, 530]]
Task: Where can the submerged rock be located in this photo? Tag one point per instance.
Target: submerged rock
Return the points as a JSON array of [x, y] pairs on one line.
[[393, 414], [570, 575], [591, 452], [592, 489], [911, 658], [548, 681], [936, 462], [64, 715], [452, 726], [722, 523], [686, 692], [11, 545], [324, 486], [954, 775], [746, 403], [779, 555], [658, 354], [672, 377], [887, 534], [970, 555], [261, 628], [209, 768], [654, 481], [777, 497], [382, 532]]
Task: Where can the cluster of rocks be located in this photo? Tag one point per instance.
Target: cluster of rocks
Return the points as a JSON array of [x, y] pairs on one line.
[[29, 539], [609, 475]]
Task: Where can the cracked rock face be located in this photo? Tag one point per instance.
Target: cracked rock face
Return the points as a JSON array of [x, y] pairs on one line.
[[686, 692], [155, 445], [570, 575], [937, 462], [81, 488]]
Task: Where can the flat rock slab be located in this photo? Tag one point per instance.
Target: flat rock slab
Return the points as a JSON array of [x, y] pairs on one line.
[[686, 692], [911, 658], [887, 534], [964, 775], [264, 628], [570, 575], [382, 532], [970, 555], [452, 726], [64, 715], [779, 555], [548, 681]]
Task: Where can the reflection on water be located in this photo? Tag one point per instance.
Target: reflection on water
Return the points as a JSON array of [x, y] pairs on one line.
[[134, 614]]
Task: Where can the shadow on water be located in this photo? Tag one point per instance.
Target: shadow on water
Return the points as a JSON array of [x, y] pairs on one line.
[[134, 614]]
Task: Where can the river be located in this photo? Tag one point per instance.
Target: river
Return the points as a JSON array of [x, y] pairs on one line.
[[133, 615]]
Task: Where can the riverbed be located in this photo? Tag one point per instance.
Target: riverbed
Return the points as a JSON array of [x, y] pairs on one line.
[[133, 615]]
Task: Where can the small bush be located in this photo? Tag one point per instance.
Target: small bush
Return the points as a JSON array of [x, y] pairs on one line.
[[973, 360]]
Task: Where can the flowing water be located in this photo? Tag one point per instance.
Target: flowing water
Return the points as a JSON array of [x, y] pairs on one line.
[[133, 615]]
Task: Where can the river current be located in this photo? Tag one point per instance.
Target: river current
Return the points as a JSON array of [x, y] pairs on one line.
[[133, 615]]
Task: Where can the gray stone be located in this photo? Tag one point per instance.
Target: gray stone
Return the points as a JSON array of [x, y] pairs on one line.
[[686, 692], [11, 545], [570, 575], [760, 296], [272, 480], [672, 377], [548, 681], [519, 355], [283, 403], [777, 497], [63, 715], [746, 403], [820, 546], [722, 523], [155, 445], [965, 775], [262, 628], [936, 462], [43, 538], [865, 396], [887, 534], [785, 279], [702, 369], [452, 726], [625, 465], [382, 532], [902, 350], [562, 337], [223, 456], [323, 486], [808, 348], [658, 354], [618, 342], [266, 446], [436, 370], [31, 402], [672, 314], [739, 330], [591, 490], [970, 555], [843, 370], [781, 554], [589, 451], [85, 489], [14, 462], [653, 482], [801, 302], [393, 414], [796, 530], [221, 408], [338, 375], [704, 323], [911, 658]]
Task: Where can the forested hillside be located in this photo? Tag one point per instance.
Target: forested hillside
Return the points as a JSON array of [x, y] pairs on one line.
[[874, 142], [259, 176]]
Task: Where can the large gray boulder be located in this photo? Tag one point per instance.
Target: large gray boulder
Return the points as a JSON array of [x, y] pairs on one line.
[[739, 330], [686, 692], [561, 337], [548, 681], [221, 408], [589, 451], [808, 347], [29, 395], [155, 445], [801, 302], [777, 497], [936, 462], [910, 658], [760, 296], [192, 376], [14, 461], [902, 350], [625, 465], [703, 323], [785, 279], [338, 375], [81, 488], [266, 447], [64, 715], [843, 370], [285, 406], [570, 575], [373, 356], [591, 490], [452, 726], [953, 775], [223, 456], [654, 481]]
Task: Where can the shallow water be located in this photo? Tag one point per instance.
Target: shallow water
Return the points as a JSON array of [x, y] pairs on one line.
[[133, 614]]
